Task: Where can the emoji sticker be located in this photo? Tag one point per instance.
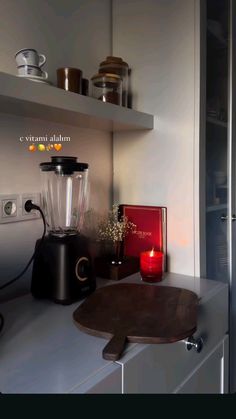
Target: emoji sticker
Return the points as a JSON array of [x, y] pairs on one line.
[[41, 147], [32, 147], [57, 147]]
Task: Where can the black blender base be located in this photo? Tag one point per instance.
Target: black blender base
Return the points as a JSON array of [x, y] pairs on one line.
[[63, 269]]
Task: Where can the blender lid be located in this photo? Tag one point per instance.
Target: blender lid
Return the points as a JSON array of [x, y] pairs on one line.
[[63, 165]]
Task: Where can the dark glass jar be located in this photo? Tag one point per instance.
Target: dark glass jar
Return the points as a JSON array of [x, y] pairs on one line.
[[115, 65], [107, 88]]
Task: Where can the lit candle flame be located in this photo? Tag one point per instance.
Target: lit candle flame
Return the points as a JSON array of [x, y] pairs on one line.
[[152, 252]]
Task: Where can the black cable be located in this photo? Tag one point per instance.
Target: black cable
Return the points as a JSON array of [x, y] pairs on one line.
[[28, 207]]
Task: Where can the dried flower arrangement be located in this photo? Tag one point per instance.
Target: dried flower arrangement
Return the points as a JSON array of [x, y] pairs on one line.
[[114, 228]]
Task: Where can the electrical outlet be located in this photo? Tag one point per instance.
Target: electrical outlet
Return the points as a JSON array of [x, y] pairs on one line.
[[35, 198], [9, 208], [12, 207]]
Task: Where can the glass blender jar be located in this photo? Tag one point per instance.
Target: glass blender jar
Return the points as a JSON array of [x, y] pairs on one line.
[[64, 194], [63, 268]]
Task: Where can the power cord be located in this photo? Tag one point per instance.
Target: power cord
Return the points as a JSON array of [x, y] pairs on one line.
[[29, 206]]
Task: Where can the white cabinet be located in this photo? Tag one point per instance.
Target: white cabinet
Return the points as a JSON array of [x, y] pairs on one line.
[[147, 372], [164, 368], [172, 369], [211, 375], [106, 381]]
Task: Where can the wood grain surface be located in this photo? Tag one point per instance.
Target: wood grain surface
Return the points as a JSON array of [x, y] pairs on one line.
[[137, 313]]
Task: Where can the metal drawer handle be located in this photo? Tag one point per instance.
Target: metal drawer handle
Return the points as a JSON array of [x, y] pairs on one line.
[[225, 217], [194, 343]]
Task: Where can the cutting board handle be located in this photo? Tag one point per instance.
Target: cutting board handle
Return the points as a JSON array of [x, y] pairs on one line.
[[114, 348]]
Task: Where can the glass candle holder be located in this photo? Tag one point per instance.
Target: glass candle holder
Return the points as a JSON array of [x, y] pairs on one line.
[[151, 266]]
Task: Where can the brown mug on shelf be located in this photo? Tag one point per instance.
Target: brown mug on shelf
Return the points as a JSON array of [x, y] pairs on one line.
[[85, 87], [69, 78]]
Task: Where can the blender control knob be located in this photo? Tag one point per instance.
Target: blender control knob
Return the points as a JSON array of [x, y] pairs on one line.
[[82, 269]]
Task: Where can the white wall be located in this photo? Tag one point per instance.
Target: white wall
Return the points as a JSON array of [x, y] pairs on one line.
[[67, 32], [159, 40]]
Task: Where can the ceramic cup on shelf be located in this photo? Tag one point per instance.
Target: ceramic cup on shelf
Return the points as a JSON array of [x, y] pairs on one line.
[[29, 56], [30, 70]]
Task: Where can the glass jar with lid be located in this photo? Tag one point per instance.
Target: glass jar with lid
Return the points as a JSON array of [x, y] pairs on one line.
[[107, 88], [116, 65]]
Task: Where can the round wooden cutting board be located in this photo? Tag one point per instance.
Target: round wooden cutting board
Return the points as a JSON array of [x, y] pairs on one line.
[[140, 313]]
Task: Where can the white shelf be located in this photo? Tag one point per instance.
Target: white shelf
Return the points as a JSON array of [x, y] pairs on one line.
[[19, 96], [216, 207], [217, 122]]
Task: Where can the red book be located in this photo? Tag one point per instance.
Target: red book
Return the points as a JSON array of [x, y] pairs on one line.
[[150, 232]]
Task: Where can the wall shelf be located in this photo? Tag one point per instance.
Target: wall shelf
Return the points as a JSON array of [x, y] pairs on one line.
[[22, 97]]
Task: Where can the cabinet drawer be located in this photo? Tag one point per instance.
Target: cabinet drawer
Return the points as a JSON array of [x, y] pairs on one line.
[[161, 368]]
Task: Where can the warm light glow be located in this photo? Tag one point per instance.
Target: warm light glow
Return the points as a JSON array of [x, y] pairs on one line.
[[151, 265], [152, 252]]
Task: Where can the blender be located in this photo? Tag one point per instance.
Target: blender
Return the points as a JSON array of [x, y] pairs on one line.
[[63, 269]]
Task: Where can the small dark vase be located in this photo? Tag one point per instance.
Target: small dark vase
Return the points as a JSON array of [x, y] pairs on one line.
[[117, 255], [113, 264]]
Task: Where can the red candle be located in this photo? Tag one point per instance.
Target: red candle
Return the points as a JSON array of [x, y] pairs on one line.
[[151, 266]]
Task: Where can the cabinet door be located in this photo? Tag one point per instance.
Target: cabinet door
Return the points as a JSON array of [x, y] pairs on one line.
[[210, 376], [106, 381], [163, 368], [215, 148]]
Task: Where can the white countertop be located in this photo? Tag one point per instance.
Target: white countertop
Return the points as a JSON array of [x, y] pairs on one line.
[[42, 350]]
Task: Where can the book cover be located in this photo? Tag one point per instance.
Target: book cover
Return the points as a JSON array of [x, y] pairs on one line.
[[151, 222]]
